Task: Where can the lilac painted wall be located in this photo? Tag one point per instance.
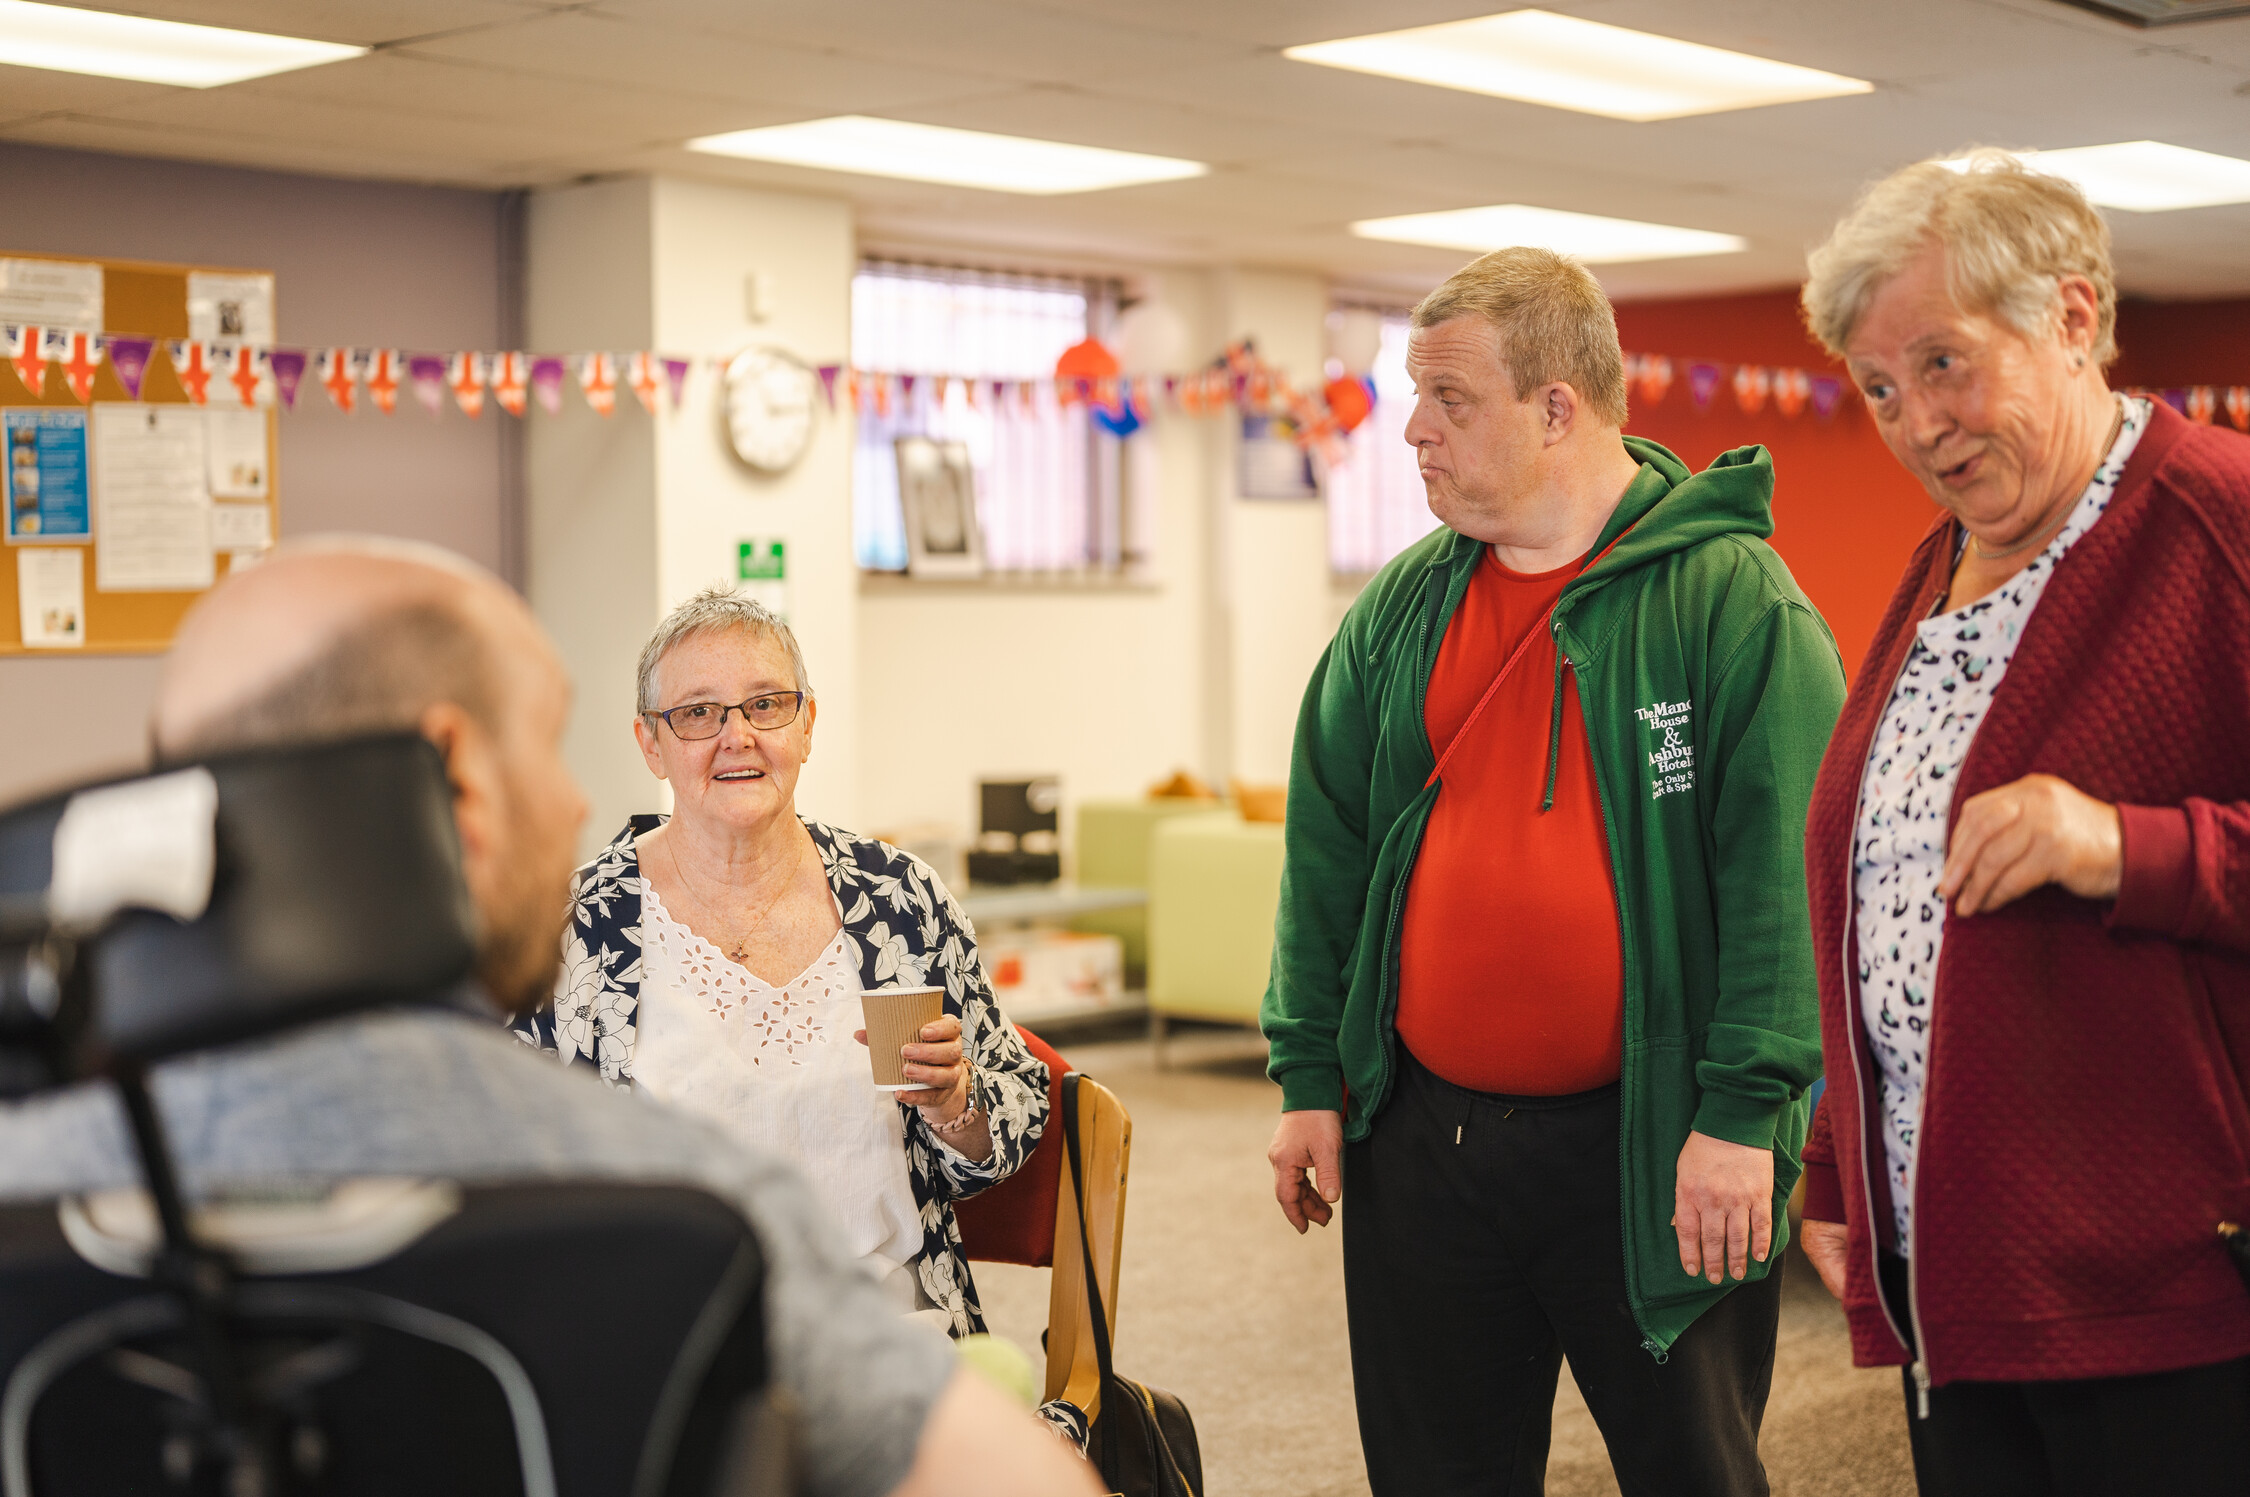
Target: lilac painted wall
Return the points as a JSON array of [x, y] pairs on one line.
[[354, 263]]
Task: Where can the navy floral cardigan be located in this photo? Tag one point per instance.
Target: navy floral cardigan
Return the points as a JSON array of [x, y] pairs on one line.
[[908, 932]]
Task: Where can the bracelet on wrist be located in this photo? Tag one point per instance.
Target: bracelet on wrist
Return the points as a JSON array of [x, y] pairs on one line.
[[969, 1114]]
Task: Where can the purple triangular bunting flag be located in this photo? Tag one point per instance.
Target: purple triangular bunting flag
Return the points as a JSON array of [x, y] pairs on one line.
[[288, 367], [1702, 383], [1827, 394], [129, 357]]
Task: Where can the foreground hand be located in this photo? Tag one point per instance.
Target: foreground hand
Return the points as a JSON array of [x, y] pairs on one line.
[[2039, 830], [1722, 1206], [1827, 1248], [934, 1062], [1308, 1141]]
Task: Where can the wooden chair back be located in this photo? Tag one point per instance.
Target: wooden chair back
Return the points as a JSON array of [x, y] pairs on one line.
[[1105, 1133]]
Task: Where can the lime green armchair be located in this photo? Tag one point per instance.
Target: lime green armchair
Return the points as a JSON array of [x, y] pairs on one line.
[[1214, 883]]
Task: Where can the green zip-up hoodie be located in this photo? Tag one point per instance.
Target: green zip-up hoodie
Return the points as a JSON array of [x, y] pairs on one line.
[[1709, 686]]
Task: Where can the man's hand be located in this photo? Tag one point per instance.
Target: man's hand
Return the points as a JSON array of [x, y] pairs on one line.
[[1827, 1248], [1308, 1141], [2039, 830], [1722, 1206]]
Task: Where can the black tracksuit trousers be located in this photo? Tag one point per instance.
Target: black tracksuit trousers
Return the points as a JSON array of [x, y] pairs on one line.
[[1482, 1245]]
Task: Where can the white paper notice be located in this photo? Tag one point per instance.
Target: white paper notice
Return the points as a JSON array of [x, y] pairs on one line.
[[65, 294], [236, 443], [229, 308], [152, 512], [51, 596], [238, 528]]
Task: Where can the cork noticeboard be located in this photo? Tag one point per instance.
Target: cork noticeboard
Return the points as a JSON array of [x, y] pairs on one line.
[[145, 300]]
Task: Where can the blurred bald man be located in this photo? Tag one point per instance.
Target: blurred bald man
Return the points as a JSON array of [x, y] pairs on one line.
[[345, 638]]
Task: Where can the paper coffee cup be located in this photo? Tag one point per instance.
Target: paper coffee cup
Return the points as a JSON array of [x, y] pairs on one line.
[[895, 1017]]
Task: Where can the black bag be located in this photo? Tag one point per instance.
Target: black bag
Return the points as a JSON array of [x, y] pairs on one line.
[[1144, 1442]]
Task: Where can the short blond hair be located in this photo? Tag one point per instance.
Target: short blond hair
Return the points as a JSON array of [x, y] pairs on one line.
[[1556, 326], [2010, 234]]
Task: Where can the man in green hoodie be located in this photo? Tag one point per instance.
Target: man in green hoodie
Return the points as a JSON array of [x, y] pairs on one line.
[[1542, 988]]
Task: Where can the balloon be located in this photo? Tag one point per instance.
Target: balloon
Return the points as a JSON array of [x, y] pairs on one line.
[[1347, 401]]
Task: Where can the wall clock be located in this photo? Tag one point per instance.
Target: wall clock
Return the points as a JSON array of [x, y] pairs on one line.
[[769, 408]]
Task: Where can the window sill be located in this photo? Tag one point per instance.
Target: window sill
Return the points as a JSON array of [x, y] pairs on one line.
[[1045, 584]]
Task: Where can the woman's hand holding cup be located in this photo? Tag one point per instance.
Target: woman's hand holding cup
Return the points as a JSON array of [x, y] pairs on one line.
[[934, 1063]]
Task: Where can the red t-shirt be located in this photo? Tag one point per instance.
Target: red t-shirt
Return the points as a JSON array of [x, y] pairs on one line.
[[1511, 977]]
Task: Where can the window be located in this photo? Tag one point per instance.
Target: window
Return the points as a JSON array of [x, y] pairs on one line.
[[969, 356], [1376, 505]]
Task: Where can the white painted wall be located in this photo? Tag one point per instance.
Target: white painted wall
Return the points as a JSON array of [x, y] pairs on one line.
[[1275, 571], [923, 690], [590, 483], [708, 241], [629, 515]]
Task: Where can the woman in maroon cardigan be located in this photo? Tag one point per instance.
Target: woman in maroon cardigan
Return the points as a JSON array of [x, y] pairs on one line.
[[2029, 860]]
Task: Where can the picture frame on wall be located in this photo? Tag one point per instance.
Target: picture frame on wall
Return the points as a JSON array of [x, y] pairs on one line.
[[937, 496]]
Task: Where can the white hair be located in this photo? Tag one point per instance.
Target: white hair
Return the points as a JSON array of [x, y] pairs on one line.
[[2010, 234], [717, 609]]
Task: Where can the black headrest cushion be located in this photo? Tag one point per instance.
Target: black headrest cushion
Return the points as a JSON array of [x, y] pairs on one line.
[[337, 886]]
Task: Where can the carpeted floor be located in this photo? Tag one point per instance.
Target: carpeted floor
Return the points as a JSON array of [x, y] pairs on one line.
[[1225, 1306]]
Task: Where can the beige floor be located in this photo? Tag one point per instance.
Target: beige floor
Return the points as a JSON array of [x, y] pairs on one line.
[[1223, 1305]]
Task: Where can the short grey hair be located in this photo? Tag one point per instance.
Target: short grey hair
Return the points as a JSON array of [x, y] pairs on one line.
[[717, 609], [2010, 234]]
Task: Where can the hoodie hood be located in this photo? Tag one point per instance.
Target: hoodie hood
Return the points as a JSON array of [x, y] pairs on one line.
[[1665, 510]]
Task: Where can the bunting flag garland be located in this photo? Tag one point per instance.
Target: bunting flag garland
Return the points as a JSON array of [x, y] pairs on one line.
[[1827, 394], [1317, 417], [547, 383], [508, 387], [1790, 387], [287, 365], [80, 358], [1656, 377], [426, 373], [466, 375], [1751, 385], [129, 357], [191, 361], [245, 373], [382, 377], [643, 379], [336, 378], [27, 353], [597, 379]]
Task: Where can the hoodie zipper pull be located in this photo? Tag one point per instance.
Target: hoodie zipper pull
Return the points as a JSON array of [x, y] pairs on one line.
[[1921, 1374]]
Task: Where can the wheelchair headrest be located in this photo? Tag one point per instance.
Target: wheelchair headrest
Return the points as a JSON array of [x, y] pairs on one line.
[[329, 880]]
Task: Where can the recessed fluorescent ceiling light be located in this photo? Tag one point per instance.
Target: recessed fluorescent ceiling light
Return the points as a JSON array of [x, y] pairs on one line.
[[1582, 236], [2144, 176], [959, 158], [1542, 58], [65, 39]]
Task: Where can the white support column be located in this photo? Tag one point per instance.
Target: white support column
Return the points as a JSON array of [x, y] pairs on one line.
[[630, 515]]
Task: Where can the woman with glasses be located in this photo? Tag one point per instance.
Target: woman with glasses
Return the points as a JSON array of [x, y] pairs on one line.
[[715, 959]]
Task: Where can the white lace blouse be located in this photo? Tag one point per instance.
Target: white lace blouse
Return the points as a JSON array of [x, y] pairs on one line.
[[777, 1069], [1952, 672]]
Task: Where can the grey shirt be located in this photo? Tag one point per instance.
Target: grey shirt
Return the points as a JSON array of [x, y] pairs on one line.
[[443, 1094]]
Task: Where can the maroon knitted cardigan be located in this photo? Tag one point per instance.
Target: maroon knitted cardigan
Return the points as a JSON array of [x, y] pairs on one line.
[[2084, 1128]]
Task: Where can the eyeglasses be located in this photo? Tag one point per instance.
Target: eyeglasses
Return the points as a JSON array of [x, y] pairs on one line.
[[691, 721]]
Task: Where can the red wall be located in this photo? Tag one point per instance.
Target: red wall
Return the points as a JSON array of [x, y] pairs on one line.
[[1845, 513]]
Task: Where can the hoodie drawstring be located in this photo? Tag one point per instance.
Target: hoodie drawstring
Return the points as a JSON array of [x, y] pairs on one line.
[[1554, 735]]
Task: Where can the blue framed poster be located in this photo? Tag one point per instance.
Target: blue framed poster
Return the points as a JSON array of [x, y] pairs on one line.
[[45, 478]]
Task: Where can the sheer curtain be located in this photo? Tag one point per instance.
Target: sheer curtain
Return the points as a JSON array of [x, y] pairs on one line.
[[1376, 506], [995, 338]]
